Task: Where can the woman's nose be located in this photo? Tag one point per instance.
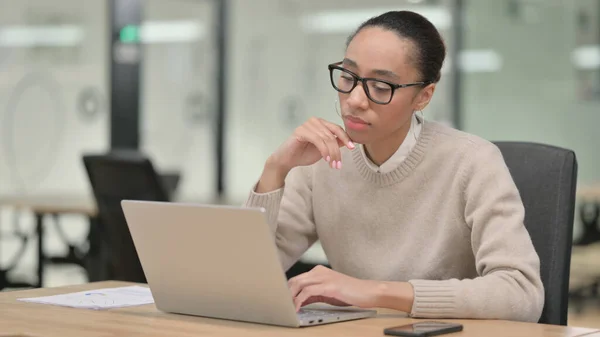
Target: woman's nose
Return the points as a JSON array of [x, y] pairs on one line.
[[358, 97]]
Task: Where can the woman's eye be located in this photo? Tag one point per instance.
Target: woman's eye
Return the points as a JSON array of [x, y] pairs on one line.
[[382, 87]]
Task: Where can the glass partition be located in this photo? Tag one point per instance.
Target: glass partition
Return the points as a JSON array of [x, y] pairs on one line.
[[53, 93], [533, 76], [178, 89], [54, 107]]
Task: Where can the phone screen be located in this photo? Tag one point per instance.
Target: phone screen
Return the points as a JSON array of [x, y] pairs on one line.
[[424, 328]]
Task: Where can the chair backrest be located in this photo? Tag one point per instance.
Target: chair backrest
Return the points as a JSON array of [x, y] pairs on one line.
[[546, 177], [113, 177]]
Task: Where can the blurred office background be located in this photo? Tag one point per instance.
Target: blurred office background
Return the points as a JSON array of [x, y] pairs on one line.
[[222, 83]]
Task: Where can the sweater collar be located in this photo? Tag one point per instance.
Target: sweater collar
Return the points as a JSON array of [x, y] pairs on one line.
[[403, 150], [405, 168]]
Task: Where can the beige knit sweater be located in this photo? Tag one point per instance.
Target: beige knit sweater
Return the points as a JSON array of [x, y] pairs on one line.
[[449, 220]]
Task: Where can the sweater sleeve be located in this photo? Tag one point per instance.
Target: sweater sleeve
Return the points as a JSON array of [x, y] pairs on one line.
[[508, 285], [289, 214]]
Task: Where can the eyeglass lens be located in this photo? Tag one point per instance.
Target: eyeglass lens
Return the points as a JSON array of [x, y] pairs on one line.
[[378, 91]]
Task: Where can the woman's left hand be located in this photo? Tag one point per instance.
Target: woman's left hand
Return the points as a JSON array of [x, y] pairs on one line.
[[322, 284]]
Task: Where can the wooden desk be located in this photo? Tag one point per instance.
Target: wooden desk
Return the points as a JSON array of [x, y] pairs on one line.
[[52, 204], [589, 192], [585, 262], [29, 319], [43, 206]]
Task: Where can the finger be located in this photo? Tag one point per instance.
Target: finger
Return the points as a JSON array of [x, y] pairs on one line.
[[314, 299], [341, 143], [329, 140], [342, 138], [296, 284], [333, 141], [305, 134], [308, 292], [340, 133], [324, 299]]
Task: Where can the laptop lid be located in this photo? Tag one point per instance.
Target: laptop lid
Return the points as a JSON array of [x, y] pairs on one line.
[[213, 261]]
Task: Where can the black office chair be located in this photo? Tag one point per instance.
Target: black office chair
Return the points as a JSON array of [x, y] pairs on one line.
[[546, 177], [113, 177]]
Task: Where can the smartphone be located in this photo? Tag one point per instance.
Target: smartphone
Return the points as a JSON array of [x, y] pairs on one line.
[[419, 329]]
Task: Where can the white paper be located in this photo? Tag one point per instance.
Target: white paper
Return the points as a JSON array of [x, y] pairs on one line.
[[99, 298]]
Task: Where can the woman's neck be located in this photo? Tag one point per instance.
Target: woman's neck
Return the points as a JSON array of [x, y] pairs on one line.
[[383, 149]]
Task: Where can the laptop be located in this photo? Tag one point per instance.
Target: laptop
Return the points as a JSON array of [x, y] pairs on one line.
[[218, 262]]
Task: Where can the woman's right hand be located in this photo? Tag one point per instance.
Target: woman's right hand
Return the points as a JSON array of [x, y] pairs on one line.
[[312, 141]]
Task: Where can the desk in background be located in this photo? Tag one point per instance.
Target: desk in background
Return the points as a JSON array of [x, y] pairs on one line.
[[52, 206], [585, 266], [589, 192], [589, 213], [29, 319]]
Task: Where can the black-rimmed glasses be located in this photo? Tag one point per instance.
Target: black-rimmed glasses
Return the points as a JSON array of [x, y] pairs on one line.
[[378, 91]]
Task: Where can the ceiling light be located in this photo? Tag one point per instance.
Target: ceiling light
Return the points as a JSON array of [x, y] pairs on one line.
[[346, 21]]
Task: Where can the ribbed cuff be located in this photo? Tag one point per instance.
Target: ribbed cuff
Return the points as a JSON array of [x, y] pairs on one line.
[[269, 201], [434, 299]]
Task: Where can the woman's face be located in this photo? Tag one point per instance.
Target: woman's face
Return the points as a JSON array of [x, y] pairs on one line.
[[381, 54]]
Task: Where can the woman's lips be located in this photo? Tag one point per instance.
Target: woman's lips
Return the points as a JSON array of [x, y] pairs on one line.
[[355, 123]]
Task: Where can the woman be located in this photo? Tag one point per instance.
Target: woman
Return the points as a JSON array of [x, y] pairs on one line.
[[417, 217]]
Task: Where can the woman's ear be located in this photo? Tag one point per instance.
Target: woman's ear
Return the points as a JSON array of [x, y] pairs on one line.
[[424, 97]]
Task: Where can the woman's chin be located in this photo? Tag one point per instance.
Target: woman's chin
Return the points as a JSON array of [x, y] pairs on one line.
[[356, 137]]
